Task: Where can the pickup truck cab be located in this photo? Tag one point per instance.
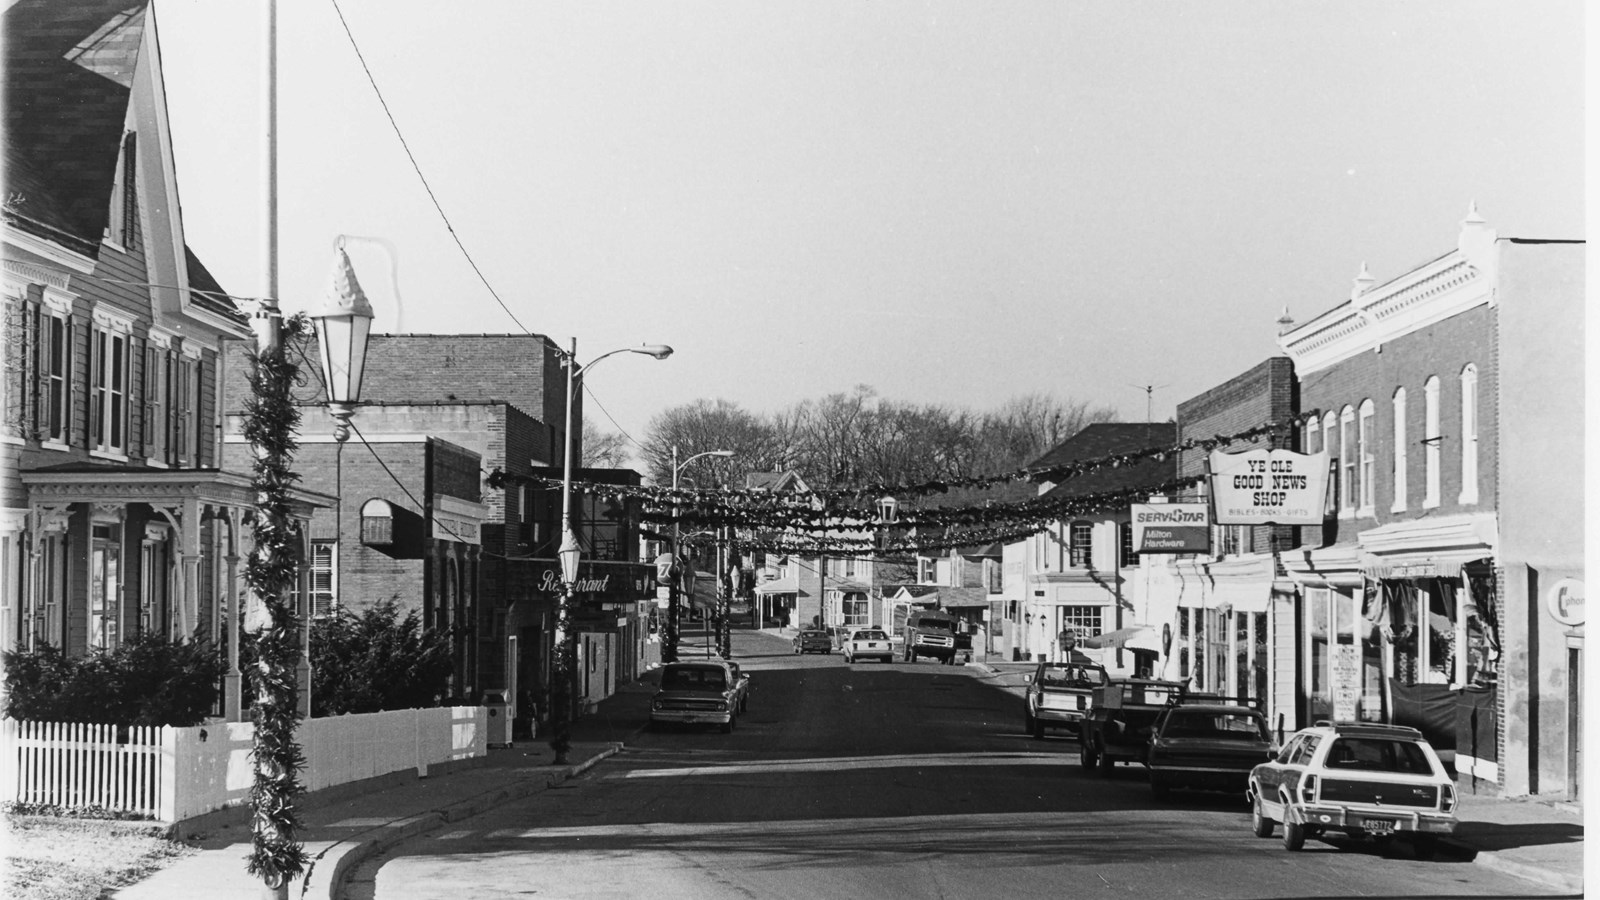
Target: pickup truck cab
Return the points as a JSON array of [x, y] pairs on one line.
[[1360, 779], [1060, 695], [702, 692]]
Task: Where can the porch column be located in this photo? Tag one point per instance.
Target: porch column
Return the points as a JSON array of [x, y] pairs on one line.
[[189, 538], [233, 681]]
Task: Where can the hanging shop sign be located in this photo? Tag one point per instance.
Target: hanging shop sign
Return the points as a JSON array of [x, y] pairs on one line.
[[1261, 487], [1171, 528]]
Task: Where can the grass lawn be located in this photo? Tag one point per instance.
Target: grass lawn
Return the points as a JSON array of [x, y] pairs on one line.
[[51, 858]]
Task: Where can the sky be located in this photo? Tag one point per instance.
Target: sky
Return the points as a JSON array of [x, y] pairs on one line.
[[954, 203]]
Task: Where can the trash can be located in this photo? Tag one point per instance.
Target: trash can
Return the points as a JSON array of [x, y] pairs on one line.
[[499, 732]]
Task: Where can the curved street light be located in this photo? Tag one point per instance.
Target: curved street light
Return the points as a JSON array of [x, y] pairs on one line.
[[669, 646], [565, 638]]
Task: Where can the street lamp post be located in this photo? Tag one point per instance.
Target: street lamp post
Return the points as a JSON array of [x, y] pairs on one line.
[[669, 647], [565, 638]]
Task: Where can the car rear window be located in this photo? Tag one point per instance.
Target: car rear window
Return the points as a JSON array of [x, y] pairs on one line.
[[1073, 676], [693, 679], [871, 636], [814, 634], [1223, 726], [1378, 755]]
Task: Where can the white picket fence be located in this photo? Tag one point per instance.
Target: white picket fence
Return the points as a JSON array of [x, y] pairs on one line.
[[174, 773]]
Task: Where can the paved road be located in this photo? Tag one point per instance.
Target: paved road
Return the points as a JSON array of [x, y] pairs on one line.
[[898, 780]]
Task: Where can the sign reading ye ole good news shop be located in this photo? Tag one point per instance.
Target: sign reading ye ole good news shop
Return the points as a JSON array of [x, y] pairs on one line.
[[1258, 487]]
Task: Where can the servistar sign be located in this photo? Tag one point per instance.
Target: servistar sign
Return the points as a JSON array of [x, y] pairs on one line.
[[1171, 528], [1258, 487]]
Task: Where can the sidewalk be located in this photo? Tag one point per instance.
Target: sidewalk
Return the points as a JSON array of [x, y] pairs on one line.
[[345, 825], [1538, 840]]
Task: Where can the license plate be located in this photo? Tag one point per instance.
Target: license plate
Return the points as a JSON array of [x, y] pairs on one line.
[[1379, 826]]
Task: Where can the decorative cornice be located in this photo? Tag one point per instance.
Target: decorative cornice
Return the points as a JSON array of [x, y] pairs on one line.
[[34, 273]]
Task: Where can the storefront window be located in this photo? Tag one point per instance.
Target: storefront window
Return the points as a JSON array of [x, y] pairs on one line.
[[1319, 699]]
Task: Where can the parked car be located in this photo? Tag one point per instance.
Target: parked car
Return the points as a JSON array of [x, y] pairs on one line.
[[1378, 781], [741, 688], [703, 692], [1206, 744], [1060, 694], [813, 640], [868, 643]]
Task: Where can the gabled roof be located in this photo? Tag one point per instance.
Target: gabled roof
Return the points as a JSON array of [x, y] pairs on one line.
[[68, 77], [776, 482], [1108, 439]]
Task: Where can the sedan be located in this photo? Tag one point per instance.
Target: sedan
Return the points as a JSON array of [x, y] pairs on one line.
[[868, 643], [813, 640], [1208, 746]]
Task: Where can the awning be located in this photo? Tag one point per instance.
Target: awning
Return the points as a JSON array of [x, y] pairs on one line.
[[789, 584], [1136, 637], [1428, 548]]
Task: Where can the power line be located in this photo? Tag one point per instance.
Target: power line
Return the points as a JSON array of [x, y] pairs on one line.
[[418, 169]]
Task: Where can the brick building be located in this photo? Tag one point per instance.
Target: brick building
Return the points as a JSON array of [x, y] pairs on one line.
[[439, 414], [1404, 606], [1231, 614]]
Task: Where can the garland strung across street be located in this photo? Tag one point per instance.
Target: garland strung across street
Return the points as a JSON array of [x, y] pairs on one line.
[[837, 522]]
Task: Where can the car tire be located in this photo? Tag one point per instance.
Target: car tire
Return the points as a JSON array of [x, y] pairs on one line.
[[727, 727], [1108, 766], [1294, 834], [1259, 823], [1086, 757], [1036, 728]]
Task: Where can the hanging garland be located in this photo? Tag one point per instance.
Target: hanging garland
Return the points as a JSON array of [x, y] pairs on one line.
[[829, 507], [276, 855]]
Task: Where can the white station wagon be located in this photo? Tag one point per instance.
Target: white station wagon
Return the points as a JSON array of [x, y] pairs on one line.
[[1363, 780]]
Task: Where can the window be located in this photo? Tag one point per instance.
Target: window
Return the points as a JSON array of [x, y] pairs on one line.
[[925, 569], [108, 403], [1082, 539], [1469, 434], [849, 567], [854, 607], [1366, 484], [1431, 439], [1086, 621], [1313, 442], [156, 404], [105, 587], [1347, 461], [1228, 541], [186, 407], [1399, 450], [324, 578], [1130, 557]]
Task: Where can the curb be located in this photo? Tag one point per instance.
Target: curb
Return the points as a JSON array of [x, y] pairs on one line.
[[347, 855], [1530, 872]]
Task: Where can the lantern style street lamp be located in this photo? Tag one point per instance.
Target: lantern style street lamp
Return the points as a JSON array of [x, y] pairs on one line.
[[565, 638], [343, 321]]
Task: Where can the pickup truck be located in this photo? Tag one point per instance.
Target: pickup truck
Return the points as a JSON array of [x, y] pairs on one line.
[[931, 633], [1117, 726], [702, 692], [1060, 695]]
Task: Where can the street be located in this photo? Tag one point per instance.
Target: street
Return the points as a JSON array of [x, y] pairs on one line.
[[880, 780]]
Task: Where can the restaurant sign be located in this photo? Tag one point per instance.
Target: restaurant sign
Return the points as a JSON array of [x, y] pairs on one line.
[[1170, 528], [1261, 487], [608, 583]]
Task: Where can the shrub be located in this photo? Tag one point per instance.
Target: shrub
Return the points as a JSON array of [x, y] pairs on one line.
[[147, 680], [377, 659]]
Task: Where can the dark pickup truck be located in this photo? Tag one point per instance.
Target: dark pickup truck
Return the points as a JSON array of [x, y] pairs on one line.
[[933, 633], [1117, 726]]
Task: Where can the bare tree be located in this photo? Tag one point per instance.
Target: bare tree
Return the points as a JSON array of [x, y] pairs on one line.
[[706, 425], [604, 449]]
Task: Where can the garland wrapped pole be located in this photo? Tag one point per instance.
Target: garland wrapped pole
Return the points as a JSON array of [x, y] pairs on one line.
[[276, 856]]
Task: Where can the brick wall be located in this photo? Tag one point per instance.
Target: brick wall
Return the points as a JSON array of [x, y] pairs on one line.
[[1265, 393], [1440, 349]]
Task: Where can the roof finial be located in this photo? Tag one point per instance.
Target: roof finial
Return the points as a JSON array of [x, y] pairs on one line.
[[1285, 322], [1362, 284]]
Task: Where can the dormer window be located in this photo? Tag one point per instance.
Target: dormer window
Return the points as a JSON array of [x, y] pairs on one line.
[[120, 224]]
